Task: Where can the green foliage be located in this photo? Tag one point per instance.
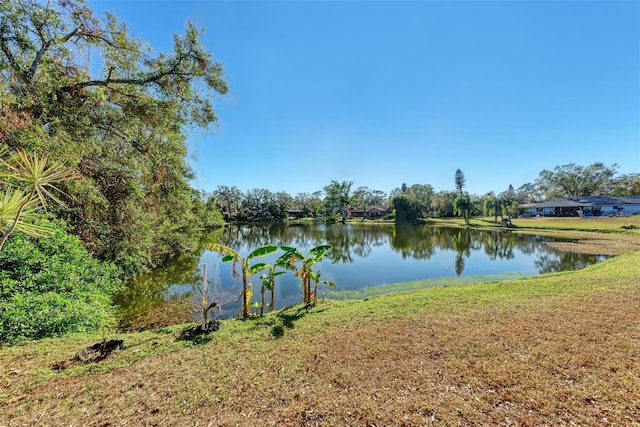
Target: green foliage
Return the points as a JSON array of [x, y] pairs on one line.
[[269, 283], [459, 181], [493, 207], [51, 286], [574, 180], [405, 208], [338, 198], [28, 181], [626, 185], [206, 209], [231, 255], [310, 204], [413, 202], [293, 256], [463, 206], [442, 204], [120, 127]]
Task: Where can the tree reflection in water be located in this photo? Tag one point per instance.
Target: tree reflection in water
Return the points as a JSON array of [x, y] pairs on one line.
[[362, 255]]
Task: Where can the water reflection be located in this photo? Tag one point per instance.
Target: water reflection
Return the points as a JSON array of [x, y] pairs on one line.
[[362, 256]]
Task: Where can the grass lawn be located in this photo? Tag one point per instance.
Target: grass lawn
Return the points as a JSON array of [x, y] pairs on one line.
[[556, 349], [599, 224], [601, 235]]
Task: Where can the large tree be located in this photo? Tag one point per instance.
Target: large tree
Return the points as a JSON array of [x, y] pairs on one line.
[[229, 198], [82, 90], [413, 203], [442, 203], [361, 197], [626, 185], [310, 204], [338, 198], [573, 180]]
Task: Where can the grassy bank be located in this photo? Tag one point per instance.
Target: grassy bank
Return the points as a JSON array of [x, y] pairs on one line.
[[630, 225], [554, 349], [606, 236]]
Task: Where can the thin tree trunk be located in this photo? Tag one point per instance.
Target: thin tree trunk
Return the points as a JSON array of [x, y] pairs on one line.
[[204, 297], [273, 296], [245, 312], [315, 293], [309, 290]]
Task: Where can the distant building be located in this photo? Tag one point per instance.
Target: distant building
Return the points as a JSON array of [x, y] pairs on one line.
[[370, 212], [585, 206], [297, 213]]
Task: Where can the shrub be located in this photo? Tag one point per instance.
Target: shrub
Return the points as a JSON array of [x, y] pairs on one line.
[[51, 285]]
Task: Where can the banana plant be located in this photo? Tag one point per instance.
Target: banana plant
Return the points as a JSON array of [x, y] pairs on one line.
[[292, 257], [269, 283], [315, 276], [27, 182], [247, 269]]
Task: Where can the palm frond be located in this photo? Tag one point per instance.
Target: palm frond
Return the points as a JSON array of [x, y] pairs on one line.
[[262, 251], [224, 250], [16, 206], [38, 173]]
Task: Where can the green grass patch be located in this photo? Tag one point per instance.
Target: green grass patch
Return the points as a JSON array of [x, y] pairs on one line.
[[388, 288], [628, 225]]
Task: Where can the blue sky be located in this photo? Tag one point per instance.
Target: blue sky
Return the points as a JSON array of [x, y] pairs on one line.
[[382, 93]]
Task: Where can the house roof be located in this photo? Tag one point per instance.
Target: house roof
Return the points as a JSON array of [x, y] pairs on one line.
[[370, 208], [377, 208], [572, 202]]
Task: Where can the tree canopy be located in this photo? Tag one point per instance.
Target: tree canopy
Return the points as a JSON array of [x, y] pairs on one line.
[[80, 89], [574, 180], [338, 197]]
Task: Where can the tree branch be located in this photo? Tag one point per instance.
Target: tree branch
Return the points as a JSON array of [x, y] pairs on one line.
[[10, 58], [43, 50], [154, 78]]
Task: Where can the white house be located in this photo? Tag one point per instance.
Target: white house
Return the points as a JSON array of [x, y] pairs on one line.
[[586, 206]]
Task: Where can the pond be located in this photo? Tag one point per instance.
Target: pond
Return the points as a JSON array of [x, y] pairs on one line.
[[365, 260]]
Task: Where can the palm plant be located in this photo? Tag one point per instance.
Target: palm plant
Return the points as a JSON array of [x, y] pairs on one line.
[[463, 205], [27, 182], [247, 269], [269, 283], [493, 206], [305, 272]]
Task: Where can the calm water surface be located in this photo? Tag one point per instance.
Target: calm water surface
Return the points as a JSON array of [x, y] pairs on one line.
[[364, 260]]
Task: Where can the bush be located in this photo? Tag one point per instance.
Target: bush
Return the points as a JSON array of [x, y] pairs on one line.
[[51, 285]]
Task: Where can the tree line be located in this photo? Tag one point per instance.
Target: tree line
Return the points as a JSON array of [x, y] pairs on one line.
[[411, 202]]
